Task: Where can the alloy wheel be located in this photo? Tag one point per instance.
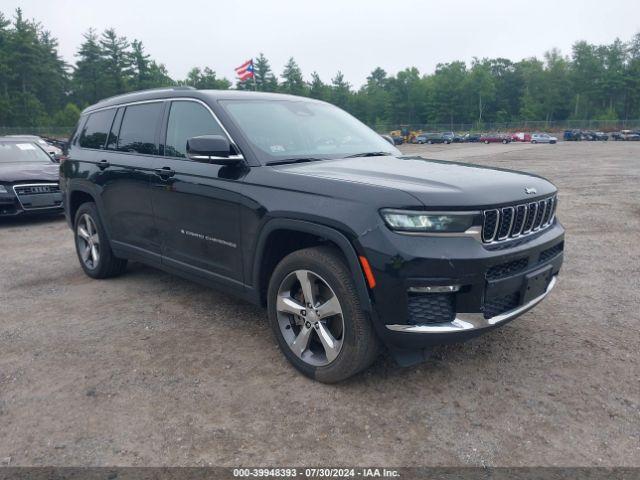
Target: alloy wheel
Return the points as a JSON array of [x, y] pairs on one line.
[[88, 241], [310, 317]]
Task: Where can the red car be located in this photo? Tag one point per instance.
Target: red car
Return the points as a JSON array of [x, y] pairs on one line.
[[521, 137], [495, 138]]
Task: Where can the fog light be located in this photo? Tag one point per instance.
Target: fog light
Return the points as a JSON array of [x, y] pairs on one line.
[[435, 289]]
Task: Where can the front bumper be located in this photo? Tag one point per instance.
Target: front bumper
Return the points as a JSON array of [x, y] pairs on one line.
[[12, 205], [491, 283], [469, 322]]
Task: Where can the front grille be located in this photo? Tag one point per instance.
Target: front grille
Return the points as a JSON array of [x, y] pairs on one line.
[[507, 269], [511, 222], [499, 305], [549, 253], [36, 196], [36, 189], [431, 308]]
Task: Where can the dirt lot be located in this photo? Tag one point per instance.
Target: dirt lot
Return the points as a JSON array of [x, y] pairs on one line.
[[149, 369]]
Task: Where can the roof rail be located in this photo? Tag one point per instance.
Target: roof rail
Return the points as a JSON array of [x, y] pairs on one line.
[[159, 89]]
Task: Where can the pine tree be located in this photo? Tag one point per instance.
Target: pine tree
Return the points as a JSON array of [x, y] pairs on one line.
[[117, 62], [292, 81], [265, 79], [318, 89], [87, 80], [140, 66], [340, 91]]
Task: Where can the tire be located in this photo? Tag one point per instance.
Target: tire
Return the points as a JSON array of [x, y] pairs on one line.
[[486, 142], [92, 245], [351, 330], [504, 141], [534, 141], [429, 142]]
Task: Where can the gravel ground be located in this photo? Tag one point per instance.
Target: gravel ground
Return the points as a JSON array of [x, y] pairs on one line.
[[149, 369]]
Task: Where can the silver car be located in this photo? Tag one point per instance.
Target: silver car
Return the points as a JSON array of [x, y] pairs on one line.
[[542, 138]]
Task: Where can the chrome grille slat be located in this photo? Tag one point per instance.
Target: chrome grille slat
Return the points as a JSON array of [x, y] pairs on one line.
[[502, 224]]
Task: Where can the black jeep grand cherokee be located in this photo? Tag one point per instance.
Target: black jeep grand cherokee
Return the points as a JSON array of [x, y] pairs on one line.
[[294, 204]]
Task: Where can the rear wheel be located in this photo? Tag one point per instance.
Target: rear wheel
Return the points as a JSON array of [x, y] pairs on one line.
[[534, 141], [92, 246], [316, 316], [486, 142]]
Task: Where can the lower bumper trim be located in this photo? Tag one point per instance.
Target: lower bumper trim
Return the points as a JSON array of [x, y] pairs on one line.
[[465, 322]]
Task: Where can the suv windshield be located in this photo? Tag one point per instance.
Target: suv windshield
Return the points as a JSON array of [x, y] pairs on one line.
[[282, 130], [14, 152]]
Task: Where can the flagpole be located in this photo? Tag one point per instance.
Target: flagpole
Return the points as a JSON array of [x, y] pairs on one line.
[[253, 74]]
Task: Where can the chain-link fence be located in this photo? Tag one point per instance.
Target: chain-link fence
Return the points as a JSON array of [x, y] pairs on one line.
[[50, 132], [524, 125]]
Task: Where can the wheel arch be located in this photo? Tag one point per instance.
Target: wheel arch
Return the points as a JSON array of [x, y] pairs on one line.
[[261, 265], [79, 193]]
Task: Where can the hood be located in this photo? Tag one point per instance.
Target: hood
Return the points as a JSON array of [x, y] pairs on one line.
[[27, 172], [435, 183]]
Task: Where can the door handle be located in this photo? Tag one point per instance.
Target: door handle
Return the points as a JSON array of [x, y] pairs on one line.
[[102, 164], [165, 172]]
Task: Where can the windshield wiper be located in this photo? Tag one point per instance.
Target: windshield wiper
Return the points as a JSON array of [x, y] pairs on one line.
[[369, 154], [295, 160]]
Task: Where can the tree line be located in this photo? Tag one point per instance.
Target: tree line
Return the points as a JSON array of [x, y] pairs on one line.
[[595, 82]]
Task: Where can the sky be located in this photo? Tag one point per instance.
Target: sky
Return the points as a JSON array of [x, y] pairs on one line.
[[353, 36]]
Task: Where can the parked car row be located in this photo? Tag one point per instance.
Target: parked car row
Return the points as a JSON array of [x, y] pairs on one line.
[[492, 137], [627, 135]]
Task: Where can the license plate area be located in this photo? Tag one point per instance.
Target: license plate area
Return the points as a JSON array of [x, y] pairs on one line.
[[41, 200], [536, 283]]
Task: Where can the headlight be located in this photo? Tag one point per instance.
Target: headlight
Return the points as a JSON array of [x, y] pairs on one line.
[[3, 189], [409, 221]]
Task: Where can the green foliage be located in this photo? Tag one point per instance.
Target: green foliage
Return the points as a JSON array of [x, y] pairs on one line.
[[206, 80], [265, 79], [292, 81], [599, 82], [67, 117]]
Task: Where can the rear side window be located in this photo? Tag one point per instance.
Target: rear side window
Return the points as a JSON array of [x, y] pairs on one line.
[[186, 120], [138, 129], [95, 131]]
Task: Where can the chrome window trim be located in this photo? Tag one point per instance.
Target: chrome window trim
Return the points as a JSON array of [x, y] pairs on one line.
[[168, 99]]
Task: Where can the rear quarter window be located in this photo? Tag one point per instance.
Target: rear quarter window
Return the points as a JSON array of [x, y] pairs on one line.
[[96, 129]]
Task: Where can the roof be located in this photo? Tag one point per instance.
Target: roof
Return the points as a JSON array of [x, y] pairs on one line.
[[190, 92]]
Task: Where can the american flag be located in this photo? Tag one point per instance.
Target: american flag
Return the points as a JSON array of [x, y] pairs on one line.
[[245, 71]]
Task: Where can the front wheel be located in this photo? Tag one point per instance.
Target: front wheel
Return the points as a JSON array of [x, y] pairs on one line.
[[316, 316], [534, 141], [486, 142], [92, 246]]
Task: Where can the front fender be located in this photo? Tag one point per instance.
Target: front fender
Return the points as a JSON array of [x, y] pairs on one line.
[[329, 233]]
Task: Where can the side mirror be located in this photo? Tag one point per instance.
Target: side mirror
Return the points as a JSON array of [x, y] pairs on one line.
[[389, 139], [212, 149]]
